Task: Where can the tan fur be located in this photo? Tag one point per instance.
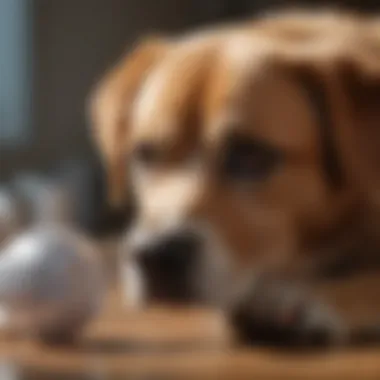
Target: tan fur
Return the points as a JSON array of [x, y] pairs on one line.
[[186, 97], [109, 109]]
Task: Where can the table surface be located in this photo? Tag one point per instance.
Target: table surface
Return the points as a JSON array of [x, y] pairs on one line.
[[173, 344], [186, 343]]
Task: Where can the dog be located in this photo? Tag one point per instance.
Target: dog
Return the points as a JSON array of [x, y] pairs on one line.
[[251, 151]]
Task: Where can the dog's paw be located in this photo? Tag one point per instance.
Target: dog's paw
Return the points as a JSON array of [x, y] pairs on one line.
[[281, 315]]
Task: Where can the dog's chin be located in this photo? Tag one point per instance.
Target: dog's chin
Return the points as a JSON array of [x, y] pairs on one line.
[[171, 291], [217, 292], [140, 292]]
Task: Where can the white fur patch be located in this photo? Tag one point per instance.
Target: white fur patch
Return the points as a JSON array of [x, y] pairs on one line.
[[132, 285]]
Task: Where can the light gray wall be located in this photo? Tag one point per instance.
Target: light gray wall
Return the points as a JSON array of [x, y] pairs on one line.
[[74, 41]]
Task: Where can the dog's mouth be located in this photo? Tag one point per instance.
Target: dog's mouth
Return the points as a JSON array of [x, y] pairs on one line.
[[170, 289], [169, 266], [187, 269]]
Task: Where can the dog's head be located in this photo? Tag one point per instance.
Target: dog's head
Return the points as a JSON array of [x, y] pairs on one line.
[[247, 149]]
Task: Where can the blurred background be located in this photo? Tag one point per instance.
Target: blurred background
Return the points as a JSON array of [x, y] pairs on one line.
[[51, 54]]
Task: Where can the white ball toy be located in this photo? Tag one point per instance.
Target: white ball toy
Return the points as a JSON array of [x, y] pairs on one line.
[[51, 283]]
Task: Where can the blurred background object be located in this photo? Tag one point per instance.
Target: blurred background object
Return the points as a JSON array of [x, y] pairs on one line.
[[51, 55], [51, 283]]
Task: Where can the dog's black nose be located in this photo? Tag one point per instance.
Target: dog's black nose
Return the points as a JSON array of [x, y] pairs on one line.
[[168, 265], [171, 255]]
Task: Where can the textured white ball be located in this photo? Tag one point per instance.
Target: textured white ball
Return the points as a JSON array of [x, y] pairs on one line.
[[51, 282]]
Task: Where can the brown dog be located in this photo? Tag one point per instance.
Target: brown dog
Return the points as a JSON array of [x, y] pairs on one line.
[[252, 152]]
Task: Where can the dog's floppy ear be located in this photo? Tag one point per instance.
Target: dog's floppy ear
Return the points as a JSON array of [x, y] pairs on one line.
[[109, 111], [344, 89]]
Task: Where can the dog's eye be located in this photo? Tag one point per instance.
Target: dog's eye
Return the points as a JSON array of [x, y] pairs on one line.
[[146, 153], [247, 160]]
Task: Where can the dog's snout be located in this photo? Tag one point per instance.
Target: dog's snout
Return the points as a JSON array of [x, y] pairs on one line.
[[168, 264], [169, 255]]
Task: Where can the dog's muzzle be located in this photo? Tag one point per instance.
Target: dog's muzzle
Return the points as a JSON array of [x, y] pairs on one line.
[[168, 264]]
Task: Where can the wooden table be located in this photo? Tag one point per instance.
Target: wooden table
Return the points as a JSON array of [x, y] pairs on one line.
[[180, 344], [173, 344]]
